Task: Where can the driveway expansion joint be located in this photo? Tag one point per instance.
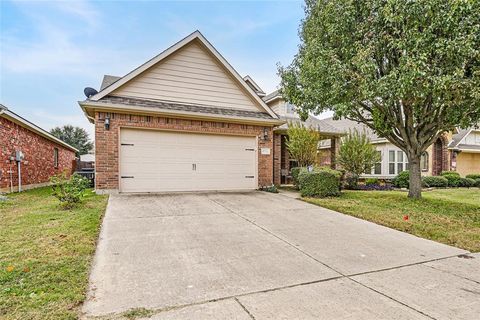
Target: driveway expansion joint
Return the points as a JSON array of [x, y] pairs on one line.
[[244, 308], [342, 275]]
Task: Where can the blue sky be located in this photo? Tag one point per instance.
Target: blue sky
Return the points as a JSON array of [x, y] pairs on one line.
[[51, 50]]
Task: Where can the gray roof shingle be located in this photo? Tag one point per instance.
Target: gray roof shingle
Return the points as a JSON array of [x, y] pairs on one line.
[[163, 105], [108, 80], [312, 122]]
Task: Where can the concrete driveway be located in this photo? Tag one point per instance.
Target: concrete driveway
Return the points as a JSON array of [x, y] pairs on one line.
[[268, 256]]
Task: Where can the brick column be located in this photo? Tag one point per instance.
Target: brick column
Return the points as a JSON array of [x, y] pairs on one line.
[[277, 157]]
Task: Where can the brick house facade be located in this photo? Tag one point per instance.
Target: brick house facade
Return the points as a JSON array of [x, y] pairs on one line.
[[40, 154], [107, 141], [185, 108]]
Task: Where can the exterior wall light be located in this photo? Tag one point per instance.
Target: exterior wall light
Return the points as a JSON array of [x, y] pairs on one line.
[[107, 123], [265, 134]]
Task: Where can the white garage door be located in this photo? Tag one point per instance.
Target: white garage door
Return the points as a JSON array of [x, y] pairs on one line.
[[157, 161]]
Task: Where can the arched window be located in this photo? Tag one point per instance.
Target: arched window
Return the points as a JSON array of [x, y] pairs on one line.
[[424, 161]]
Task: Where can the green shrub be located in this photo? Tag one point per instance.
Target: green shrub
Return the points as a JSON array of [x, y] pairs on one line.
[[467, 182], [319, 183], [473, 176], [69, 190], [401, 180], [453, 178], [372, 182], [435, 181], [294, 172], [477, 182]]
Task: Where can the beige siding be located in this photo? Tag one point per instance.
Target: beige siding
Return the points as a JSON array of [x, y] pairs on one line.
[[277, 106], [192, 76], [468, 163], [473, 138]]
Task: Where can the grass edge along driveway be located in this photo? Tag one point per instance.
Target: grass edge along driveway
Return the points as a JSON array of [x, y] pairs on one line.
[[449, 216], [45, 254]]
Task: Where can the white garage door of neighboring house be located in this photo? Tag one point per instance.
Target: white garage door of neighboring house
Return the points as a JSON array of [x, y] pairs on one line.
[[157, 161]]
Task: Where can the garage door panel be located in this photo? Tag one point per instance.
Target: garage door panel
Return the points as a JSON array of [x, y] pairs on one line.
[[174, 161]]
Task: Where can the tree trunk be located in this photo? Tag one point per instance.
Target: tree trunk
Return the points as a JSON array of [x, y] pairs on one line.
[[415, 188]]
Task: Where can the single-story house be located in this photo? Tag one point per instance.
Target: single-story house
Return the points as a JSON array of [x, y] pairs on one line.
[[187, 121], [29, 155], [456, 151]]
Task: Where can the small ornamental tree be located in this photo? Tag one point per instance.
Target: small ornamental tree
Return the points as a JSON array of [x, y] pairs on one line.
[[409, 70], [302, 143], [357, 155]]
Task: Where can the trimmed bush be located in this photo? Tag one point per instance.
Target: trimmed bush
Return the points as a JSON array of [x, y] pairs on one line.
[[401, 180], [477, 182], [372, 182], [294, 172], [473, 176], [467, 182], [435, 181], [453, 178], [319, 183]]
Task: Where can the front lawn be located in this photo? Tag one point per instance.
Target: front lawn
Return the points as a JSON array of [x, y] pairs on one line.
[[45, 254], [450, 216]]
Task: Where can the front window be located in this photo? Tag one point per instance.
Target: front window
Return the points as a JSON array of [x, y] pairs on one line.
[[55, 157], [391, 162], [424, 161], [377, 168], [397, 162]]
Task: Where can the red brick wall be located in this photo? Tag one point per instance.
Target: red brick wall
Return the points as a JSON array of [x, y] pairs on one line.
[[38, 165], [107, 141], [277, 158]]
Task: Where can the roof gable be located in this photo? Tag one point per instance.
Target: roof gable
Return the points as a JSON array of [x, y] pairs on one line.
[[190, 72]]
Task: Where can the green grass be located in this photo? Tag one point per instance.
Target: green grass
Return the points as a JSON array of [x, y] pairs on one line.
[[45, 254], [450, 216]]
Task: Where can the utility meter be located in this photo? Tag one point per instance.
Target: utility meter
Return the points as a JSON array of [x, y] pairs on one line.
[[19, 156]]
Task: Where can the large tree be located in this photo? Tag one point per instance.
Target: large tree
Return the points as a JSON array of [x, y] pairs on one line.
[[75, 136], [409, 70]]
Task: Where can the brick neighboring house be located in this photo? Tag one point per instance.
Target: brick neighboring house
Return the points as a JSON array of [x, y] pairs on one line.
[[43, 154]]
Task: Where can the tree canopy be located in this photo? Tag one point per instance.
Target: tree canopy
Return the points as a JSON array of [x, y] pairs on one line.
[[75, 136], [409, 70]]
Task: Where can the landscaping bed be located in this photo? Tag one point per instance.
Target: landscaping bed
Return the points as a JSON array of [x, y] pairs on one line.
[[45, 254], [450, 216]]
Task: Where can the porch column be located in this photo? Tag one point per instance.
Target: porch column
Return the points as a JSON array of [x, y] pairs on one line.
[[277, 157], [334, 147]]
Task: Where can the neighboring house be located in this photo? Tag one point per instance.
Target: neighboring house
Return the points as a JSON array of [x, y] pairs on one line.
[[457, 151], [465, 149], [183, 121], [282, 161], [29, 152]]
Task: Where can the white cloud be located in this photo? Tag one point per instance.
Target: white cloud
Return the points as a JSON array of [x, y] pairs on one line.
[[47, 120], [55, 47]]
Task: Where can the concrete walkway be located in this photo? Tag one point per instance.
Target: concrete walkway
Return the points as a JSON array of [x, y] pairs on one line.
[[268, 256]]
